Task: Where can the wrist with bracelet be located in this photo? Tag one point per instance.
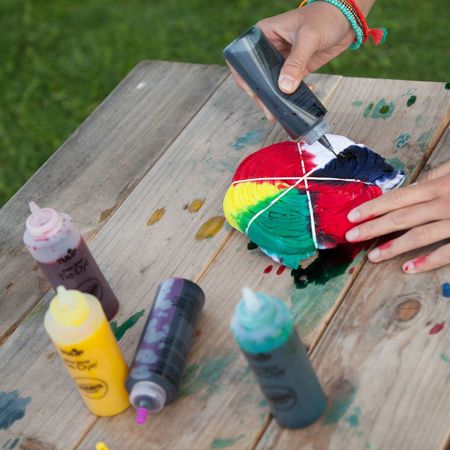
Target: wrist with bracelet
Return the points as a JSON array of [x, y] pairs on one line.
[[357, 21]]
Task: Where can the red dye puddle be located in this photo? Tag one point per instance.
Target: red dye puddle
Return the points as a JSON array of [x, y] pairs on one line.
[[281, 269], [268, 269], [437, 328]]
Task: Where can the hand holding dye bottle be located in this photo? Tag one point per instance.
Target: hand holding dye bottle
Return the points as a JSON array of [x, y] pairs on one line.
[[259, 64], [266, 334], [64, 257], [78, 327]]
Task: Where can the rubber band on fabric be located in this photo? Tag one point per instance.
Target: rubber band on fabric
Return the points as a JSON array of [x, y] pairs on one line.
[[292, 199], [305, 177]]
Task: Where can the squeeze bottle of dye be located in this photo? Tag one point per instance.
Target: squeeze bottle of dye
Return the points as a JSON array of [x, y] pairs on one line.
[[266, 334], [259, 63], [64, 257], [161, 353], [78, 327]]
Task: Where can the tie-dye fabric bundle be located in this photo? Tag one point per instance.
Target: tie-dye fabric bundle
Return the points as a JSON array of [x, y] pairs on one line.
[[292, 198]]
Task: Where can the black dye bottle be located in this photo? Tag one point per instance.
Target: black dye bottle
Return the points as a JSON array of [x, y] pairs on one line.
[[161, 353], [259, 63]]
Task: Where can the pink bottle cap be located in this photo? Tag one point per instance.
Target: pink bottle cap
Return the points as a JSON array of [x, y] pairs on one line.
[[141, 415], [42, 222]]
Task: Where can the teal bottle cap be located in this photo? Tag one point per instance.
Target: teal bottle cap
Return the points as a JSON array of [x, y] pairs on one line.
[[261, 323]]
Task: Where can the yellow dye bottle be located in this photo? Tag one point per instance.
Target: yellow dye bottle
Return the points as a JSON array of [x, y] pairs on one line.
[[78, 327]]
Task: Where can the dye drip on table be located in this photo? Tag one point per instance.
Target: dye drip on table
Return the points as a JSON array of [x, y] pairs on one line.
[[329, 263], [64, 257], [266, 334], [162, 350], [292, 199]]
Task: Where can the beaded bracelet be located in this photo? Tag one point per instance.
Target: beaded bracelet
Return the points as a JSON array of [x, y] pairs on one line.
[[357, 21]]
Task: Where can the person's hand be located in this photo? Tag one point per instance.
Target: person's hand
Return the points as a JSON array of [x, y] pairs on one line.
[[308, 38], [423, 208]]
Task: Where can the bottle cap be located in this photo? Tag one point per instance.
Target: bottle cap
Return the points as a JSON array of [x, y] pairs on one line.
[[251, 301], [43, 221], [69, 308], [141, 415], [147, 397], [255, 309]]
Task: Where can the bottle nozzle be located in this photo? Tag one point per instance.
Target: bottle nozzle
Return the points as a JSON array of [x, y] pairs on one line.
[[64, 297], [69, 308], [42, 221], [37, 212], [251, 301], [141, 415]]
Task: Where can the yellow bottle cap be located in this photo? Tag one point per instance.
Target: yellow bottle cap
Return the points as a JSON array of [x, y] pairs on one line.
[[69, 308]]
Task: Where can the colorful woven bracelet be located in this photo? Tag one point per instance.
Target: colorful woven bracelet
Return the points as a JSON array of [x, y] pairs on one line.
[[378, 35], [357, 21]]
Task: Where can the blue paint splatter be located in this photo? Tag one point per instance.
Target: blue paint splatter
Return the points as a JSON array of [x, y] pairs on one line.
[[341, 397], [444, 357], [250, 138], [353, 419], [401, 141], [383, 110], [12, 408], [424, 138]]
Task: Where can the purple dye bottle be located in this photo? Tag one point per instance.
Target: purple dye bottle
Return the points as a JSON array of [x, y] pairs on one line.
[[161, 353], [64, 257]]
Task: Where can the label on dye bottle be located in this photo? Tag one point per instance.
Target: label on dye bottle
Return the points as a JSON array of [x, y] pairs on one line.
[[289, 383], [167, 335]]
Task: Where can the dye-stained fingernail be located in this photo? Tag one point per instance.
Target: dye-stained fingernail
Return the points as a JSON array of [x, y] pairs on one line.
[[353, 234], [374, 255], [286, 83], [353, 215], [408, 267]]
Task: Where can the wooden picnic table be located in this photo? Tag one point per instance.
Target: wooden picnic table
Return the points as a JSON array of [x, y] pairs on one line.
[[141, 177]]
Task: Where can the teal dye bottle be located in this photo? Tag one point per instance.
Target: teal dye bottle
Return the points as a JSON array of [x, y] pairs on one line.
[[266, 335]]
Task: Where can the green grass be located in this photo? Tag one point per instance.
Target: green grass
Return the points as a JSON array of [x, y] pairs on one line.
[[60, 58]]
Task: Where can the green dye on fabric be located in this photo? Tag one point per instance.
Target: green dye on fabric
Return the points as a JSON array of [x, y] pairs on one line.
[[284, 228]]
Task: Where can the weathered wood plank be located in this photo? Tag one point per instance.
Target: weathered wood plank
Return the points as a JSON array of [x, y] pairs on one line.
[[136, 257], [229, 409], [384, 362], [99, 165]]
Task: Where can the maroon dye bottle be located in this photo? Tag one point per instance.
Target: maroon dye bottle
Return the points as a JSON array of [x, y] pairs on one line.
[[64, 257]]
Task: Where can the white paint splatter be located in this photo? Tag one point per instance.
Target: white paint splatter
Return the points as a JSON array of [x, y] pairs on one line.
[[141, 85]]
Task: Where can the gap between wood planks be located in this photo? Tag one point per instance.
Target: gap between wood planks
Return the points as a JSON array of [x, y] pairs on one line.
[[119, 203]]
